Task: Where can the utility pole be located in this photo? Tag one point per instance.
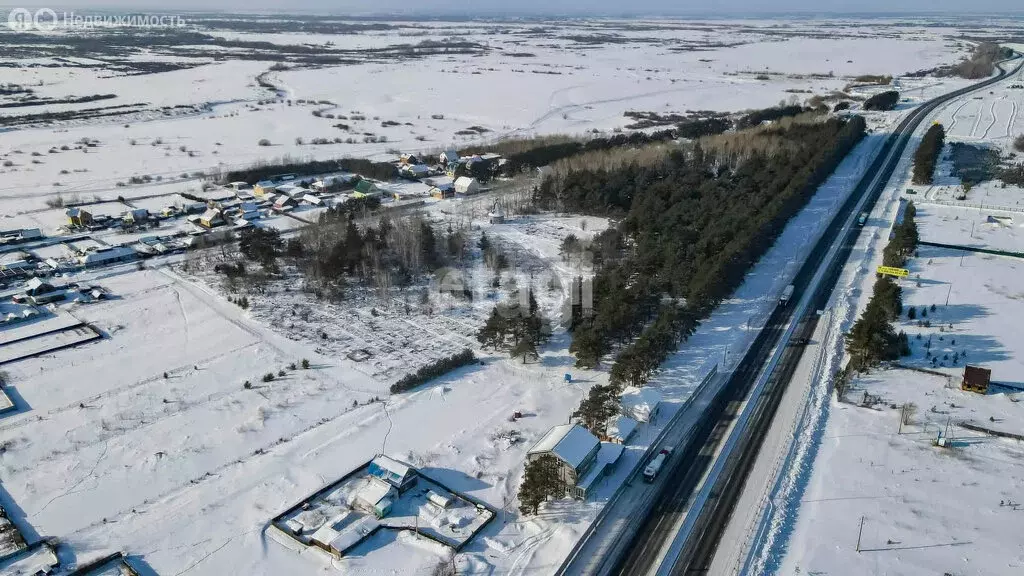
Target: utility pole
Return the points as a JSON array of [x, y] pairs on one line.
[[948, 292], [859, 533]]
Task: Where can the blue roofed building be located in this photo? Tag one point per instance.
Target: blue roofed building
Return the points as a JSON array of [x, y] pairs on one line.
[[401, 476]]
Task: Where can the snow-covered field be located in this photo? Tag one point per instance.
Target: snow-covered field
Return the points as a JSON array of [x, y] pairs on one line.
[[560, 86], [149, 441], [859, 479]]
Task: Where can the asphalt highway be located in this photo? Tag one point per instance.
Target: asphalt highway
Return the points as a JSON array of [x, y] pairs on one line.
[[691, 462]]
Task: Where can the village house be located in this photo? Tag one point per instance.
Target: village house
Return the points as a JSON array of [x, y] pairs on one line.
[[39, 291], [397, 474], [106, 256], [576, 450], [284, 203], [333, 183], [136, 216], [415, 170], [213, 217], [296, 191], [249, 211], [343, 531], [448, 157], [976, 379], [287, 189], [466, 185], [440, 187], [17, 236], [409, 159], [264, 187], [376, 497], [365, 188], [442, 192], [78, 217]]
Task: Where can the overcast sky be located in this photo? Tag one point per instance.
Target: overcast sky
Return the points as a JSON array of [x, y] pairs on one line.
[[470, 8]]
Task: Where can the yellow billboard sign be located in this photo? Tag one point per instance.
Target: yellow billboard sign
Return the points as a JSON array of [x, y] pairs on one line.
[[890, 271]]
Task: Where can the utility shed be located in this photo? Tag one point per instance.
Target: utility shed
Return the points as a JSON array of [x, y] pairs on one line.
[[976, 379], [574, 447], [640, 404], [620, 429]]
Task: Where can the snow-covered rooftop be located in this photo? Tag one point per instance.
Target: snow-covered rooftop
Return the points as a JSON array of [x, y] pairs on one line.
[[571, 443], [640, 403], [390, 470], [621, 428]]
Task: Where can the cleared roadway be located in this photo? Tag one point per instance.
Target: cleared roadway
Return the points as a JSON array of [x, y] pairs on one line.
[[645, 528]]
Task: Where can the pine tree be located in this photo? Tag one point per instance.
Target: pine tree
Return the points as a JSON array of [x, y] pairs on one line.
[[492, 335], [598, 407], [588, 347], [541, 480], [485, 244], [428, 246], [525, 348]]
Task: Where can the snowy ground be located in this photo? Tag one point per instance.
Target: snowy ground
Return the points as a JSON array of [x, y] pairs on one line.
[[924, 509], [563, 86], [148, 441]]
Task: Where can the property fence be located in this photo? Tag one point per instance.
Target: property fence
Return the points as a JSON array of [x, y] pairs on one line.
[[971, 205], [973, 249]]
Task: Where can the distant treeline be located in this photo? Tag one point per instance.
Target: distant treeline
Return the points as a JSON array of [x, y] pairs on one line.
[[66, 115], [534, 153], [691, 227], [525, 153], [928, 153], [361, 166], [49, 101]]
